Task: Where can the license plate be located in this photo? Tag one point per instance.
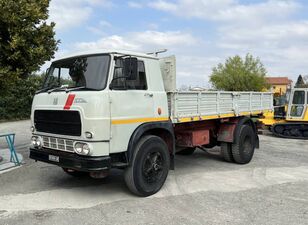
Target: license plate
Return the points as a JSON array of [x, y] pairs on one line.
[[53, 158]]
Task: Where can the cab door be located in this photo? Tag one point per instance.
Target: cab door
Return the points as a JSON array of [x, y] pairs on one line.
[[131, 104], [298, 105]]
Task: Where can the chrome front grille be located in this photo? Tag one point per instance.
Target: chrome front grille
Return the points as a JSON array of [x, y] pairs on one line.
[[58, 144]]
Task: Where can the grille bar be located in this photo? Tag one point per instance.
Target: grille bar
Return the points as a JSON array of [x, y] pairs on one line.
[[58, 144]]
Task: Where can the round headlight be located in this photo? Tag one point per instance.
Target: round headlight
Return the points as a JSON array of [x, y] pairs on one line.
[[78, 147], [82, 148], [33, 140], [36, 142], [86, 149]]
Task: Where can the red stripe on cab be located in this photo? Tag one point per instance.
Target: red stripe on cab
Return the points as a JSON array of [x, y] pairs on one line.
[[69, 101]]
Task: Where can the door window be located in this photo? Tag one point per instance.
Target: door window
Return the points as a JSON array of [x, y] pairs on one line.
[[299, 97], [120, 82], [297, 108]]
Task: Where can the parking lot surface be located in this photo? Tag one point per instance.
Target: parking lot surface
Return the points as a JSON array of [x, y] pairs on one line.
[[203, 189]]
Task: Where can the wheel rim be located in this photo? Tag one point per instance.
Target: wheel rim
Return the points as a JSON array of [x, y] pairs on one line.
[[152, 169]]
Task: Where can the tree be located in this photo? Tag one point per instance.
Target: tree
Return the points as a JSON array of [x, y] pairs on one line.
[[300, 83], [26, 40], [16, 103], [238, 74]]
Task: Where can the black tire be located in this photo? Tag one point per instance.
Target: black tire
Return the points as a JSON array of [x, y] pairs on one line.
[[187, 151], [243, 149], [149, 166], [75, 173], [226, 151]]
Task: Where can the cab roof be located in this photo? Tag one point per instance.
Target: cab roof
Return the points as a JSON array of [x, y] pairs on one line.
[[105, 51]]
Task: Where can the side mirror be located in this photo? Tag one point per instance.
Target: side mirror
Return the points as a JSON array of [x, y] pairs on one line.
[[131, 68]]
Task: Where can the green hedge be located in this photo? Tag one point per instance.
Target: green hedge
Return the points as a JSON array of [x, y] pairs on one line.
[[15, 104]]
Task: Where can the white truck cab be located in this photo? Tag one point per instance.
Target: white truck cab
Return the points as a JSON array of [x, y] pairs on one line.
[[117, 109]]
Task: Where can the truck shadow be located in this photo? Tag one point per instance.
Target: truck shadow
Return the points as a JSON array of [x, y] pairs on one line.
[[114, 184]]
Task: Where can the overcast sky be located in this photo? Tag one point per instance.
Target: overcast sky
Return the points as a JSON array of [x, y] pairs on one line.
[[201, 33]]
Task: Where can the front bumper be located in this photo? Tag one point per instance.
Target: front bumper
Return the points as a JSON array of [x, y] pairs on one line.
[[71, 160]]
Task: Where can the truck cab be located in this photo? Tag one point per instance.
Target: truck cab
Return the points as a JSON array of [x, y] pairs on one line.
[[90, 99]]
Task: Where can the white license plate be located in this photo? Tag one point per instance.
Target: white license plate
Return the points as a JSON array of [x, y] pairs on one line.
[[53, 158]]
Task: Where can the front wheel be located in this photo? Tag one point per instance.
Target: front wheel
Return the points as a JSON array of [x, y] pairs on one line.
[[149, 166]]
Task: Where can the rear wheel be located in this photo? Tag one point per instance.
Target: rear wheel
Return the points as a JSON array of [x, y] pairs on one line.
[[226, 151], [243, 148], [149, 166]]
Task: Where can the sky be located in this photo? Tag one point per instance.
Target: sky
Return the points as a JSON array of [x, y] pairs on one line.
[[201, 33]]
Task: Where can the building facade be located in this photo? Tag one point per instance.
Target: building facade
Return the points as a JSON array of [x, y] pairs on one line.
[[279, 85]]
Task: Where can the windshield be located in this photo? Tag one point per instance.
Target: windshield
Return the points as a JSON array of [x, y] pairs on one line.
[[89, 72]]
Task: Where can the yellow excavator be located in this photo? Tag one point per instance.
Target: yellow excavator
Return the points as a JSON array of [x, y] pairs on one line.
[[290, 116]]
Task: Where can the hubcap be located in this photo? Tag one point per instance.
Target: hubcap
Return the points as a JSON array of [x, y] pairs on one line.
[[153, 167]]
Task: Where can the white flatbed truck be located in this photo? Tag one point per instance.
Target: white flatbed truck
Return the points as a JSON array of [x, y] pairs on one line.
[[116, 109]]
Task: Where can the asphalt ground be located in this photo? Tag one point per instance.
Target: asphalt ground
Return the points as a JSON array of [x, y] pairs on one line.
[[203, 189]]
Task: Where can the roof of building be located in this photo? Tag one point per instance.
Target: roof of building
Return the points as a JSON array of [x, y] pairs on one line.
[[278, 80], [107, 51]]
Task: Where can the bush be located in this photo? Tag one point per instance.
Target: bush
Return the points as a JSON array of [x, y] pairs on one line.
[[15, 103]]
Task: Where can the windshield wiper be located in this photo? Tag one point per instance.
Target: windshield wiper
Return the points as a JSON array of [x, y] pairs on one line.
[[65, 86], [44, 89], [78, 88]]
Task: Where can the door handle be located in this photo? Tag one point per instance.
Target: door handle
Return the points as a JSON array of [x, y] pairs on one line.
[[148, 95]]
